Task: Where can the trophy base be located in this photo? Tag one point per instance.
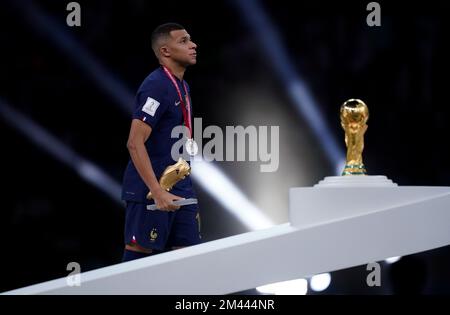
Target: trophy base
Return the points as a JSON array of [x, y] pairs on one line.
[[356, 181], [354, 169]]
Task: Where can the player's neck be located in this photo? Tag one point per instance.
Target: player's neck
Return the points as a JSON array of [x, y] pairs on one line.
[[176, 69]]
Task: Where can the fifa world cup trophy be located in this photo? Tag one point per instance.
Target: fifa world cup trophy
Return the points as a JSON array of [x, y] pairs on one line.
[[354, 115]]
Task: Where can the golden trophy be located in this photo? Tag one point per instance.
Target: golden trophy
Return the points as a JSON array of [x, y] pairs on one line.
[[354, 116], [172, 175]]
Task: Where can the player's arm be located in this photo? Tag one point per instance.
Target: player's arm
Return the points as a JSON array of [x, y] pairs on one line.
[[139, 133]]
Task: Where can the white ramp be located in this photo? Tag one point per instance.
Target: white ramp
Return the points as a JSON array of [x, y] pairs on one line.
[[331, 228]]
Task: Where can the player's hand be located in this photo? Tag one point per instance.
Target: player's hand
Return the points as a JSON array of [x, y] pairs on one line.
[[164, 201]]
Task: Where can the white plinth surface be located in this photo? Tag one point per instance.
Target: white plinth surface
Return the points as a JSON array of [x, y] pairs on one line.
[[332, 227], [356, 181]]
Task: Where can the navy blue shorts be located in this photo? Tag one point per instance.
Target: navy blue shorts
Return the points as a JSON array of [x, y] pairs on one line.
[[162, 230]]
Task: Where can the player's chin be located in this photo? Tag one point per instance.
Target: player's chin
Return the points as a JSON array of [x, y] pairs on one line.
[[192, 60]]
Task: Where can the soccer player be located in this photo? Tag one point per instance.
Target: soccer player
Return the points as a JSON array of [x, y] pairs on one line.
[[162, 103]]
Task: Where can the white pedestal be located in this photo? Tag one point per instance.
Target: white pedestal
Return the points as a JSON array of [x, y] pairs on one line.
[[344, 197], [340, 223], [356, 181]]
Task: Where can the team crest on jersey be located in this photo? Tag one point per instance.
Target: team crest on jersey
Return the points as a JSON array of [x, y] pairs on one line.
[[153, 235]]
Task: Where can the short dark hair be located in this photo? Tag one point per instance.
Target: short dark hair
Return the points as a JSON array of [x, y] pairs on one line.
[[163, 31]]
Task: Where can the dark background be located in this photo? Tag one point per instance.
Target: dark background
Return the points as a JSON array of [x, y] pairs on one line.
[[50, 216]]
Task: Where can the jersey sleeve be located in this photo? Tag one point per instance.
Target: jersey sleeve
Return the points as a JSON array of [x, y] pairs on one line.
[[150, 104]]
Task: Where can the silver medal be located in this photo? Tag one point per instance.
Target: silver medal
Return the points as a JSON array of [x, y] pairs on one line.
[[191, 147]]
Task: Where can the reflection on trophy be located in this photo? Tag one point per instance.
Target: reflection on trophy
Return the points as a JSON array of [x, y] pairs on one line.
[[172, 175], [354, 115]]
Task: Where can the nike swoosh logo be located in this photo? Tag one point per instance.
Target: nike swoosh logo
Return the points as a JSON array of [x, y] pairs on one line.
[[177, 103]]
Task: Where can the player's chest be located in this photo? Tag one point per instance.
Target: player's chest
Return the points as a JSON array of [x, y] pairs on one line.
[[176, 106]]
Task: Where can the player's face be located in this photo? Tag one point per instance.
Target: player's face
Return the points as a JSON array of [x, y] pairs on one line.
[[182, 48]]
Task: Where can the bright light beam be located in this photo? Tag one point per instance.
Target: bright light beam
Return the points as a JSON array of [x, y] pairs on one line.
[[392, 260], [45, 25], [205, 174], [291, 287], [269, 40], [214, 181], [320, 282], [41, 138]]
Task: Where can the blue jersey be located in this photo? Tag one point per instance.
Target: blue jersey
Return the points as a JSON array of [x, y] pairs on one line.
[[157, 103]]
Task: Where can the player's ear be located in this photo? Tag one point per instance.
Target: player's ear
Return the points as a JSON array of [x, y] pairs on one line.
[[164, 51]]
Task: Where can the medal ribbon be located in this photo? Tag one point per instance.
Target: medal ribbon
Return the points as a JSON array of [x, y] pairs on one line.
[[185, 109]]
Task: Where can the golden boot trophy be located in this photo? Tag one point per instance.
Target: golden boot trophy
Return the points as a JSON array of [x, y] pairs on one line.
[[354, 116], [172, 175]]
